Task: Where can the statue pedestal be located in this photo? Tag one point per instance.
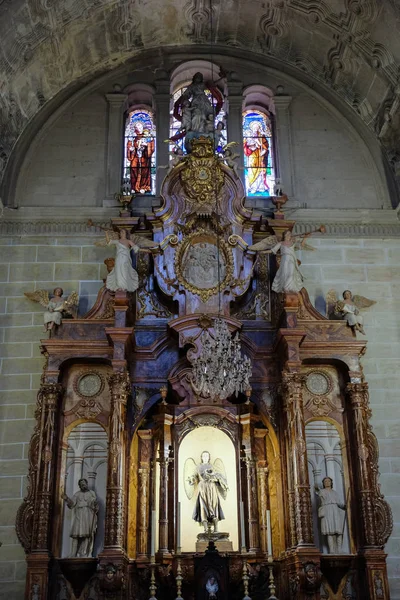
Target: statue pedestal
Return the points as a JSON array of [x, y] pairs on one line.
[[220, 539]]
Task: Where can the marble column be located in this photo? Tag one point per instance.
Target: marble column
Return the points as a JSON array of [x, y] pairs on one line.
[[284, 152], [115, 136]]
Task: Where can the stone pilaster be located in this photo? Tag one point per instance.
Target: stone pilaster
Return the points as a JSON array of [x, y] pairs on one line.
[[234, 120], [162, 101], [284, 151], [114, 142]]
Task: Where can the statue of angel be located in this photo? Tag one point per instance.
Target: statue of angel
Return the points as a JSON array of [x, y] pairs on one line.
[[209, 482], [54, 307], [288, 277], [123, 276], [348, 309]]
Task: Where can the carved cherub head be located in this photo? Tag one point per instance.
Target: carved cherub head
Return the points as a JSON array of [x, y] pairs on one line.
[[58, 292], [347, 295]]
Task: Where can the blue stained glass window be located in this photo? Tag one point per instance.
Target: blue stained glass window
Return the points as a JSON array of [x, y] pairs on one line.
[[258, 155], [140, 152]]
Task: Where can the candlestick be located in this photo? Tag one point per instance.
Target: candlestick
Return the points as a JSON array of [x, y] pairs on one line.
[[179, 580], [271, 587], [242, 534], [153, 587], [245, 579], [153, 536], [269, 533], [178, 532]]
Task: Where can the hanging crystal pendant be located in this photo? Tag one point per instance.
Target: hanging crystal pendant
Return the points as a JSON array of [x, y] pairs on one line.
[[220, 370]]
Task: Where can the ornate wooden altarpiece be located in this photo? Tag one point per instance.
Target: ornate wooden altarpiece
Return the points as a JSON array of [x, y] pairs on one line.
[[137, 346]]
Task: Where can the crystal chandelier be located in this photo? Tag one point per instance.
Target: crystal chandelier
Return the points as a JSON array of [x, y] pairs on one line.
[[220, 370]]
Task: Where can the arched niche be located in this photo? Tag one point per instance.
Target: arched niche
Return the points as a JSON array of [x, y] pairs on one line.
[[219, 445], [326, 459], [182, 74], [84, 456]]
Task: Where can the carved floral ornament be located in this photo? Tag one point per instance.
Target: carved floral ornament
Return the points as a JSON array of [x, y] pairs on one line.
[[203, 263], [88, 384], [319, 384]]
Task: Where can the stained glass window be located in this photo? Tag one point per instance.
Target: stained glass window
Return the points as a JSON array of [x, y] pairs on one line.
[[258, 155], [140, 152], [175, 125]]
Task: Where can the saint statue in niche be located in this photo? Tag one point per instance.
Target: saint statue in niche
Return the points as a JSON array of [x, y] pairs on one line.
[[331, 513], [209, 482], [203, 266], [212, 588], [84, 524]]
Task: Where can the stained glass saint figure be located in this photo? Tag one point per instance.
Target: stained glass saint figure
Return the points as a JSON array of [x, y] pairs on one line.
[[257, 146], [140, 164]]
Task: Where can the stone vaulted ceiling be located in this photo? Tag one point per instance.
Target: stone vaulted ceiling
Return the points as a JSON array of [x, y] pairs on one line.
[[351, 46]]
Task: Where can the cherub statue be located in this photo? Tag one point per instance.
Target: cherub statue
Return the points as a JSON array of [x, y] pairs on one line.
[[177, 155], [54, 307], [229, 157], [123, 276], [348, 309], [210, 483]]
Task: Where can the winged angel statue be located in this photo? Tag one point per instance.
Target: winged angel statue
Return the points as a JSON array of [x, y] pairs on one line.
[[123, 276], [288, 277], [348, 309], [208, 481], [54, 307]]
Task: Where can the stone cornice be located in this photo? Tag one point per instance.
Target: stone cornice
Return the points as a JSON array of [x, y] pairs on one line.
[[73, 221]]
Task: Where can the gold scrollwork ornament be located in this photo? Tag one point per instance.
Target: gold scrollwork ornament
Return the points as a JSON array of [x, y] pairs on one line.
[[202, 176]]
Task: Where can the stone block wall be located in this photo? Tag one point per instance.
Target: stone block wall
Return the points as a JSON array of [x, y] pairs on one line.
[[370, 267], [366, 266], [26, 264]]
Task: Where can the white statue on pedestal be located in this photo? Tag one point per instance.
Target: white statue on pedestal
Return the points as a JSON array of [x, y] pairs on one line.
[[84, 524], [331, 513], [210, 482]]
